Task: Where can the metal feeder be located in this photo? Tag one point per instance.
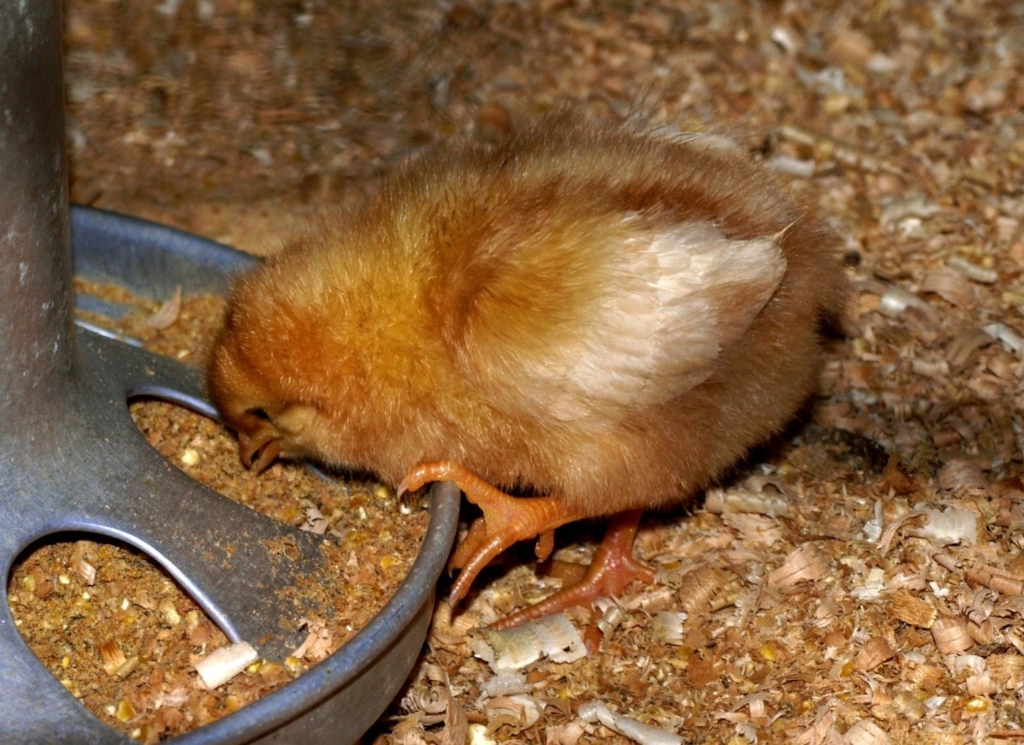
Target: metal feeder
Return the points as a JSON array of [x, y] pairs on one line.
[[71, 459]]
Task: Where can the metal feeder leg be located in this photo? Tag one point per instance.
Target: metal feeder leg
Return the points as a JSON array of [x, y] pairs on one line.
[[70, 456]]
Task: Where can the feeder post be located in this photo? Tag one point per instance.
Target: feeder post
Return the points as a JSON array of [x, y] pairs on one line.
[[37, 342]]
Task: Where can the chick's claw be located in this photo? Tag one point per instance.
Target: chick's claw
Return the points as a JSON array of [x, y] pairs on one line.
[[611, 571], [506, 520]]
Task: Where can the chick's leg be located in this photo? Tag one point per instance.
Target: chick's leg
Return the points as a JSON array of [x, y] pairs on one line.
[[509, 519], [611, 571], [505, 521]]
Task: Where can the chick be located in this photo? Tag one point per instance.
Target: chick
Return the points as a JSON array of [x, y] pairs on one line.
[[604, 316]]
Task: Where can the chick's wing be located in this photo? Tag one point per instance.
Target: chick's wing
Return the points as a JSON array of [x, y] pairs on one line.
[[596, 321]]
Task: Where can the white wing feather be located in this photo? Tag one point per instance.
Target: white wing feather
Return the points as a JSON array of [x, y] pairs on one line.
[[684, 294]]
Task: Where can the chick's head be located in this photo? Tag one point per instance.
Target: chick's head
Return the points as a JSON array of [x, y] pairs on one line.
[[256, 403], [326, 355]]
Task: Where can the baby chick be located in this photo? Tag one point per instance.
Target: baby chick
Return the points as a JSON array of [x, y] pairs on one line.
[[605, 316]]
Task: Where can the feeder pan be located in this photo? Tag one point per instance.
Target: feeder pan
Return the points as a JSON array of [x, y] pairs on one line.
[[71, 459]]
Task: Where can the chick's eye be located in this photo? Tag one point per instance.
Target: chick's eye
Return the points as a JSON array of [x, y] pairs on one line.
[[259, 414]]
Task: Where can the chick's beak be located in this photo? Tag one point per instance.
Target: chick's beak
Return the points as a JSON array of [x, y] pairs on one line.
[[258, 451]]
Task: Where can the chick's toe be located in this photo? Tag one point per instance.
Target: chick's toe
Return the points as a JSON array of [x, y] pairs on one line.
[[611, 571]]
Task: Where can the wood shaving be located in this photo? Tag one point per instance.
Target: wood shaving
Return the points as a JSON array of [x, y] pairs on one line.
[[951, 635], [866, 732], [805, 564], [221, 665], [720, 502], [911, 609], [552, 636], [167, 313], [972, 271], [961, 474], [643, 734], [872, 654], [947, 526], [950, 285], [318, 643]]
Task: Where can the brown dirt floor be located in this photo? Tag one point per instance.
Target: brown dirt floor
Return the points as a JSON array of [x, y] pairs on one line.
[[861, 580]]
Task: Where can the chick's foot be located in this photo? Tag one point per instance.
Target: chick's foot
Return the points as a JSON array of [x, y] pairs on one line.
[[611, 571], [505, 521]]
